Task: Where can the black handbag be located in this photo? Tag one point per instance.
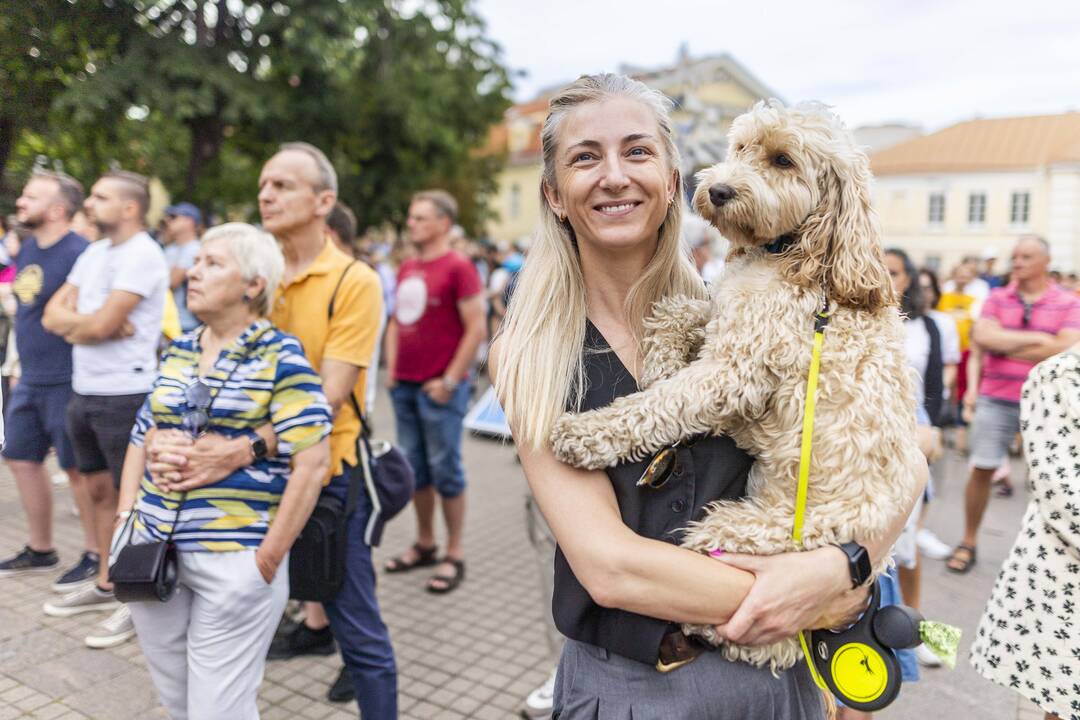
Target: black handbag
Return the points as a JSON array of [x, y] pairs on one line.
[[145, 572], [317, 556]]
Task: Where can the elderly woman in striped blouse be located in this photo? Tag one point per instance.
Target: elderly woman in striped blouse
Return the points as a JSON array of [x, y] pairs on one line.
[[206, 646]]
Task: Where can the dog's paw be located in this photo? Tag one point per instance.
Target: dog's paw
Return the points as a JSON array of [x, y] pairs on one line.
[[566, 443], [573, 445]]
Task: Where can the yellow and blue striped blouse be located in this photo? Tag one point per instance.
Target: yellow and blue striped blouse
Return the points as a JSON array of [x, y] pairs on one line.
[[272, 382]]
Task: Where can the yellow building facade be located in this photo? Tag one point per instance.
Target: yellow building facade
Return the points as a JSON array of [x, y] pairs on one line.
[[975, 187]]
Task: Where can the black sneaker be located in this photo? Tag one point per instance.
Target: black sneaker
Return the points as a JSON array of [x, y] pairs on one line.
[[29, 561], [342, 690], [302, 641], [84, 571]]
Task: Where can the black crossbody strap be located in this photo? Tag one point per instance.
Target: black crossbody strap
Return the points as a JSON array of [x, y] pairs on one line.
[[363, 449], [247, 352]]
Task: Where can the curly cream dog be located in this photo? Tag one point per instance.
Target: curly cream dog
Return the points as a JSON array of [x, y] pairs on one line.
[[793, 198]]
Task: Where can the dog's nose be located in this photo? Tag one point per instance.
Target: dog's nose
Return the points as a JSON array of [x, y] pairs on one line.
[[720, 194]]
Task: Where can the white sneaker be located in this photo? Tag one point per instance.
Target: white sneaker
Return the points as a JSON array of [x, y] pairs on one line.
[[930, 545], [114, 630], [85, 599], [538, 704], [926, 657], [60, 479]]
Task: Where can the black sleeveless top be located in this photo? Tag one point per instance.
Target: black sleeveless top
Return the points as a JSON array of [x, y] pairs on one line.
[[712, 469]]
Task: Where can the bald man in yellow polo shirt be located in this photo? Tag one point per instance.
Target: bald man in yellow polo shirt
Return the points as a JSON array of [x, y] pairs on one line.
[[297, 190]]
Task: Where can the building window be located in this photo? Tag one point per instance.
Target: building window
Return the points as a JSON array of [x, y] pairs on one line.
[[936, 216], [977, 209], [1020, 208], [515, 201]]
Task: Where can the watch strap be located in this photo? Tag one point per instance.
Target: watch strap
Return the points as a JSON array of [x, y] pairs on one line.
[[858, 562]]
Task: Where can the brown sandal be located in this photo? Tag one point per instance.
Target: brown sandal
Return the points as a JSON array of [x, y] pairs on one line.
[[960, 565], [448, 582], [425, 557]]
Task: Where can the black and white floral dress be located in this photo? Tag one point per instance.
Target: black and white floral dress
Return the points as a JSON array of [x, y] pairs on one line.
[[1029, 636]]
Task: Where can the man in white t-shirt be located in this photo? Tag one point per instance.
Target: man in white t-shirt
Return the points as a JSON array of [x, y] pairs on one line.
[[110, 309]]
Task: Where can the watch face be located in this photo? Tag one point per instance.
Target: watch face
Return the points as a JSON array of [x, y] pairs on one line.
[[859, 672]]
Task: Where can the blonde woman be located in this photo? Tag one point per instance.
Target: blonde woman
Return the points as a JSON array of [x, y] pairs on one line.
[[607, 248]]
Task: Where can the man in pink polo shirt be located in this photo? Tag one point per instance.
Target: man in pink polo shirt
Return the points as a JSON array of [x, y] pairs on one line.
[[1021, 325]]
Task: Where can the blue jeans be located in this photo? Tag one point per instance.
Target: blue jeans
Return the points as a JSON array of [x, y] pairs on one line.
[[430, 435], [357, 625], [890, 595]]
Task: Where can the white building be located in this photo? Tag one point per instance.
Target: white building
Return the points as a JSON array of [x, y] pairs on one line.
[[980, 184]]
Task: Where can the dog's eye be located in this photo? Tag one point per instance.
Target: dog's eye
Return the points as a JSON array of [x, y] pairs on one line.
[[782, 160], [740, 147]]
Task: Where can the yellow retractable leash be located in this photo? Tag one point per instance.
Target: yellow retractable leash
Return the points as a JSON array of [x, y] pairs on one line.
[[858, 664]]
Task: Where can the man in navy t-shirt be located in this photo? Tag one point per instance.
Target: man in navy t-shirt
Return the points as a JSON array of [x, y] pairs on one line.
[[36, 409]]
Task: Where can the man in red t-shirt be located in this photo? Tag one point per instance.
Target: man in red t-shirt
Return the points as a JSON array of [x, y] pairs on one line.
[[431, 341]]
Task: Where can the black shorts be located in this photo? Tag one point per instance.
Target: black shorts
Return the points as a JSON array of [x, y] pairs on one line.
[[100, 429]]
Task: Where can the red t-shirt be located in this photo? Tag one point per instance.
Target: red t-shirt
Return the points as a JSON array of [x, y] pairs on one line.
[[429, 325]]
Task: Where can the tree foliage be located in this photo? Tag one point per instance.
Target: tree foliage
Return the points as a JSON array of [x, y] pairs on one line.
[[399, 93]]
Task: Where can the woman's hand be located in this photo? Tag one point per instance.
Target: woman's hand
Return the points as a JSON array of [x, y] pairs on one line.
[[182, 465], [929, 439], [267, 564], [164, 455], [792, 592]]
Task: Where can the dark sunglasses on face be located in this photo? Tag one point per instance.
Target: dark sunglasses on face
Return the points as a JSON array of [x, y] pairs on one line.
[[195, 419]]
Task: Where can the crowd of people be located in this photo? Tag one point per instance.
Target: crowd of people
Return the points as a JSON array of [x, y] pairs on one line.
[[207, 385], [224, 443]]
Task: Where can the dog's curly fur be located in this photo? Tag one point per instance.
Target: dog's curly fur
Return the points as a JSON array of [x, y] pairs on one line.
[[738, 365]]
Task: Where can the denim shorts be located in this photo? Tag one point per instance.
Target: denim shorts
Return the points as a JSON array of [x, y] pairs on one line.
[[34, 418], [429, 434], [995, 425]]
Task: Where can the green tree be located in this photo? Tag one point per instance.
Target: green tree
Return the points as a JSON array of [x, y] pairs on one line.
[[45, 48], [400, 95]]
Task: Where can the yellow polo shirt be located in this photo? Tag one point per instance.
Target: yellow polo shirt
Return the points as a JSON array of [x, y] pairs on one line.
[[300, 309]]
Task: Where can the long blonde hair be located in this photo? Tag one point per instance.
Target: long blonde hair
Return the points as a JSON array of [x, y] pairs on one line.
[[540, 352]]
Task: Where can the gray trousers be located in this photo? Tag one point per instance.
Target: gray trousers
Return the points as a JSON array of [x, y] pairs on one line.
[[206, 647], [593, 684]]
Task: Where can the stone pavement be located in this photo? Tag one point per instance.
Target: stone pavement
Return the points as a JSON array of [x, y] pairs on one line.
[[475, 653]]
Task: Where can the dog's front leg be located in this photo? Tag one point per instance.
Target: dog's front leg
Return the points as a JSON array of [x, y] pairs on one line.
[[674, 332], [689, 403]]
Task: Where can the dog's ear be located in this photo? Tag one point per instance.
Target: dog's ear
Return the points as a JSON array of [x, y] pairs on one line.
[[840, 245]]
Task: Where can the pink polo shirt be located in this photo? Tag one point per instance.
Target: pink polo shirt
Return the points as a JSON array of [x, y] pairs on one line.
[[1057, 310]]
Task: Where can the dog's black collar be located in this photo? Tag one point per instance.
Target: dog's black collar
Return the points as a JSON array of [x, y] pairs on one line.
[[780, 244]]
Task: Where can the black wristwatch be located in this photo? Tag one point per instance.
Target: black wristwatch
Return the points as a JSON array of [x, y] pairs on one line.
[[858, 562], [258, 448]]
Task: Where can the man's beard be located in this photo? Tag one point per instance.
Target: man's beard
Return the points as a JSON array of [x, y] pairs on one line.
[[105, 230], [32, 222]]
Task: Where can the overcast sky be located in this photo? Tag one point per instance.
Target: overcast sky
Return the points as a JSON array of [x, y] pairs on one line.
[[927, 62]]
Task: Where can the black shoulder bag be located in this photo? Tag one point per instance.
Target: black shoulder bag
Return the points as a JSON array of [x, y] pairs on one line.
[[148, 572], [317, 557]]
